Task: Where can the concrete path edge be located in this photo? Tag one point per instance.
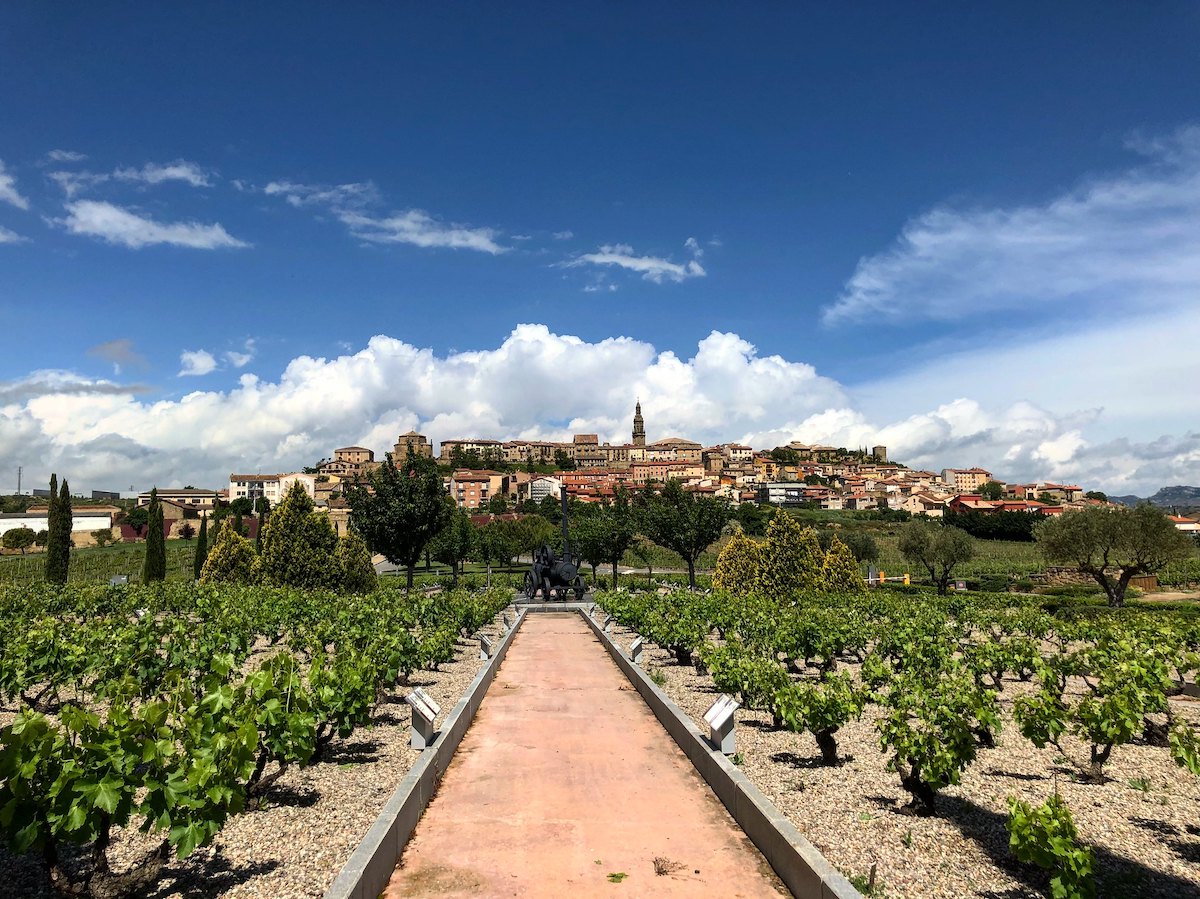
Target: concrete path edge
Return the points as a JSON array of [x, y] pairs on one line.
[[368, 870], [799, 863]]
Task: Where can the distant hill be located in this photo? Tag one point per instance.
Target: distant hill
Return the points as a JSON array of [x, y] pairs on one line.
[[1180, 497]]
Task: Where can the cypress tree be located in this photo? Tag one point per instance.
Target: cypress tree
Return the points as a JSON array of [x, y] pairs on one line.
[[231, 560], [58, 533], [298, 545], [839, 572], [155, 566], [354, 566], [201, 548], [739, 566], [792, 559]]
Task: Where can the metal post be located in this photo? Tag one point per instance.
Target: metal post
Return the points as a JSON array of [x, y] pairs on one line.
[[424, 711], [635, 651], [720, 720]]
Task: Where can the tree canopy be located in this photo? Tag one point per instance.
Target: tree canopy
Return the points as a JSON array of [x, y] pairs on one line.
[[1112, 544], [937, 549], [399, 509], [684, 522]]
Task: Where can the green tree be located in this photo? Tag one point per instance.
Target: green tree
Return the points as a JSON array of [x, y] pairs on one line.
[[862, 545], [495, 545], [262, 506], [355, 571], [792, 559], [102, 536], [154, 565], [231, 560], [1096, 494], [684, 522], [497, 505], [753, 518], [455, 541], [646, 553], [839, 570], [58, 541], [992, 490], [936, 549], [19, 538], [739, 566], [137, 518], [1112, 544], [605, 534], [404, 507], [201, 549], [42, 537], [241, 506], [298, 545]]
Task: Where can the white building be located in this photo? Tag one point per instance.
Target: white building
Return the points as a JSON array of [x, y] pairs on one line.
[[540, 488], [272, 486], [82, 521]]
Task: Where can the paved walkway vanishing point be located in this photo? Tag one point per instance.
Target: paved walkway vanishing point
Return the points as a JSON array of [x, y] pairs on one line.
[[566, 781]]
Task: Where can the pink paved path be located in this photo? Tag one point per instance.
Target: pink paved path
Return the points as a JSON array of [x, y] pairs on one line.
[[566, 777]]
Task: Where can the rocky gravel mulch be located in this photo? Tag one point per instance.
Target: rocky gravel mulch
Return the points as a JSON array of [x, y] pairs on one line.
[[314, 819], [1143, 823]]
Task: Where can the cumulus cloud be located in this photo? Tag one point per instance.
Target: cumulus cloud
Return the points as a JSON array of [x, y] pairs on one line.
[[352, 204], [156, 173], [538, 384], [118, 225], [651, 268], [7, 236], [8, 190], [119, 352], [563, 235], [196, 362], [1114, 243]]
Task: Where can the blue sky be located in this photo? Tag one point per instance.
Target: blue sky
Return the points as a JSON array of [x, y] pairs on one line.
[[934, 217]]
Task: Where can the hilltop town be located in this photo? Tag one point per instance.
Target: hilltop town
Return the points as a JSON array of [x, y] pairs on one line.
[[498, 476]]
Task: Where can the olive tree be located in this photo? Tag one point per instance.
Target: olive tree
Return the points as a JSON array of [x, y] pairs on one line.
[[1112, 544], [937, 549]]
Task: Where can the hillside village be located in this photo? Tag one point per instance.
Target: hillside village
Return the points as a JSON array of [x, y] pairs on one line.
[[488, 476]]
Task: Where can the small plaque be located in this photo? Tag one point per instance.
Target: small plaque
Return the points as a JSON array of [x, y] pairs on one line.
[[428, 700]]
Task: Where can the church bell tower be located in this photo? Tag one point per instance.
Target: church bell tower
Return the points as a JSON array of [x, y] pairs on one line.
[[639, 426]]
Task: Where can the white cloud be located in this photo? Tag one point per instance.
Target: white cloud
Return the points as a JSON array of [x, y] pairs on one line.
[[7, 236], [341, 196], [118, 225], [651, 268], [196, 362], [350, 203], [421, 230], [563, 235], [151, 173], [724, 390], [1118, 243], [8, 190], [241, 358], [75, 183], [156, 173], [65, 156]]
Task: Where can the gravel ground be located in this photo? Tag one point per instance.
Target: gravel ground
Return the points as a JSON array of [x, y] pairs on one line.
[[1146, 842], [315, 816]]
